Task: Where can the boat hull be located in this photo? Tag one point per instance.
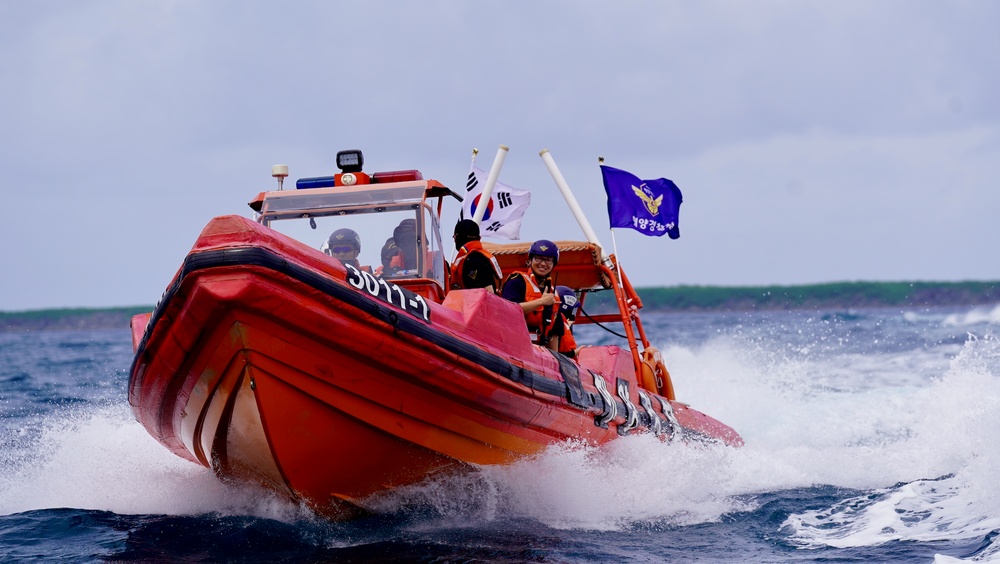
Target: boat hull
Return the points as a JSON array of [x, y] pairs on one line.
[[270, 362]]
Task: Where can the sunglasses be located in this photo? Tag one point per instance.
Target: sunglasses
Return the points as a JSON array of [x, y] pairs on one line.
[[341, 250]]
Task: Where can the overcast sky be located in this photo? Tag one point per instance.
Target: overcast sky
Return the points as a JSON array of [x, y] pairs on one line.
[[814, 141]]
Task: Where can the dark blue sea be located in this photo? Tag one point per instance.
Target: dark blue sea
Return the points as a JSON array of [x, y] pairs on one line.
[[871, 436]]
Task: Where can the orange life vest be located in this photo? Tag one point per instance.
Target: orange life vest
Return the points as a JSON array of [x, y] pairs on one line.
[[466, 250], [535, 318], [567, 344], [398, 263]]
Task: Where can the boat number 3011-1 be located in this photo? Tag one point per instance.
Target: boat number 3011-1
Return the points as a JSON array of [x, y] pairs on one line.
[[388, 292]]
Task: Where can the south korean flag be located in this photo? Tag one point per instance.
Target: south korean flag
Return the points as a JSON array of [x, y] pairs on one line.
[[504, 211]]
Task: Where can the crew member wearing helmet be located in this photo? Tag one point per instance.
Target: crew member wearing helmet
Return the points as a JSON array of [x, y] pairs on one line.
[[388, 252], [406, 242], [532, 289], [474, 266], [568, 304], [345, 245]]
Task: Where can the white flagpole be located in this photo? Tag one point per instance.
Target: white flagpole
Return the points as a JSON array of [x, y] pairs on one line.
[[574, 207], [614, 245], [491, 180], [475, 152]]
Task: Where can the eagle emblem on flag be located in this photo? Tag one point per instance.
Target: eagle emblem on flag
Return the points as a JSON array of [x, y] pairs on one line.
[[652, 204]]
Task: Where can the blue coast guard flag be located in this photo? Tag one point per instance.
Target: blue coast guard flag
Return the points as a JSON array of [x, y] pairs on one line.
[[650, 207], [504, 211]]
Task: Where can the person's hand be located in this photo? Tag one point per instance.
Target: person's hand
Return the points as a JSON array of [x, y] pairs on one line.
[[548, 298]]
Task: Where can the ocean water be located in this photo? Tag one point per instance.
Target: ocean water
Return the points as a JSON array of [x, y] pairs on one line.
[[871, 436]]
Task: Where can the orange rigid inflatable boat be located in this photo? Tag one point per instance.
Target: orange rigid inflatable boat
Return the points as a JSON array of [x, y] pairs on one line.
[[269, 360]]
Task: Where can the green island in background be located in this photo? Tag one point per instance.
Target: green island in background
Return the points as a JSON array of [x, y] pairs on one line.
[[831, 296]]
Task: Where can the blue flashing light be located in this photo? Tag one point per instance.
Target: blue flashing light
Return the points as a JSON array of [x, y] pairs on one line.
[[316, 182]]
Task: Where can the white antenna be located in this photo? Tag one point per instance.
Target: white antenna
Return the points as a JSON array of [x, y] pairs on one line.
[[491, 181], [280, 172], [574, 206]]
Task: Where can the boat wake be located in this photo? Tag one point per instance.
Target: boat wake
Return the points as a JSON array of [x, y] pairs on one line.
[[922, 510], [944, 431], [102, 459], [574, 486], [978, 316]]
